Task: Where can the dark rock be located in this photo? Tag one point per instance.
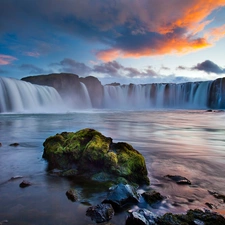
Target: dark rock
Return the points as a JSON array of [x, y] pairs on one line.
[[100, 213], [89, 153], [24, 184], [14, 144], [193, 217], [179, 179], [95, 90], [152, 197], [72, 195], [217, 195], [121, 195], [0, 144], [69, 85], [210, 205], [141, 217]]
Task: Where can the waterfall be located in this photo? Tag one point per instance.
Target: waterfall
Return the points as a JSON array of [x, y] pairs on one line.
[[196, 95], [86, 98], [20, 96]]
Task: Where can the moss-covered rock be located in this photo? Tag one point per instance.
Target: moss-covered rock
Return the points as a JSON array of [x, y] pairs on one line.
[[192, 217], [88, 152]]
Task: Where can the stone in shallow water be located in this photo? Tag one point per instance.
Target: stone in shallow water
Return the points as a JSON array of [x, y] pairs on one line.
[[141, 217], [121, 195], [14, 144], [88, 153], [72, 195], [217, 195], [100, 213], [179, 179], [192, 217], [24, 184], [152, 197]]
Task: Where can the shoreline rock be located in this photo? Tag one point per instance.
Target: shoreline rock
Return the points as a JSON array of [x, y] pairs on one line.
[[121, 195], [100, 213], [89, 153]]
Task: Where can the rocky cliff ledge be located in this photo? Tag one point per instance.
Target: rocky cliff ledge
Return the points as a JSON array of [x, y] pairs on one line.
[[69, 85]]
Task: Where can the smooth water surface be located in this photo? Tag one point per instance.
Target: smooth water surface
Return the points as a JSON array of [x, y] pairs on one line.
[[186, 143]]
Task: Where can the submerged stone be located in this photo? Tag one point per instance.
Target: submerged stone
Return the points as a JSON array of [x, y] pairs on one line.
[[88, 152], [152, 197]]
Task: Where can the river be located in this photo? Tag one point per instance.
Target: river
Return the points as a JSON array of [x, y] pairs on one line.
[[178, 142]]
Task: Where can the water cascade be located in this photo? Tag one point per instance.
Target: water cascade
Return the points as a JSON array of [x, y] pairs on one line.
[[21, 96], [191, 95]]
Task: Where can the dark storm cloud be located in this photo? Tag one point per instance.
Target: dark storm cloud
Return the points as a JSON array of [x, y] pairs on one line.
[[32, 69], [72, 66], [209, 67]]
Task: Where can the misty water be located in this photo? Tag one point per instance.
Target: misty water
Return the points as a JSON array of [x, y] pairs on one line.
[[187, 143]]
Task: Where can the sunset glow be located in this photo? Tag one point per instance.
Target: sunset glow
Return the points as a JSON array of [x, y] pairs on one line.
[[75, 37]]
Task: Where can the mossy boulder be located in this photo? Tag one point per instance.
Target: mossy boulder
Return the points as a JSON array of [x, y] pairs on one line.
[[88, 152]]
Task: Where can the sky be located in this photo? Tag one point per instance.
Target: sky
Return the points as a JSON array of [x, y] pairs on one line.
[[125, 41]]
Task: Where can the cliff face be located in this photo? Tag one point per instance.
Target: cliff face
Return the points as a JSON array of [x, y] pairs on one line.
[[88, 92], [69, 85]]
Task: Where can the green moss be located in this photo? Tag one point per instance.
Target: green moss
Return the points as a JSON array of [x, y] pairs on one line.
[[131, 163], [91, 152]]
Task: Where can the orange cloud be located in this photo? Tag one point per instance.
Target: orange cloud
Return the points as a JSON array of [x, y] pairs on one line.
[[193, 14], [6, 59], [109, 54], [171, 46], [215, 34], [176, 33]]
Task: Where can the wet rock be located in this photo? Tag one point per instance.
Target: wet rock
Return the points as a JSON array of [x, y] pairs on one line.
[[192, 217], [152, 197], [210, 205], [14, 144], [121, 195], [24, 184], [72, 195], [141, 217], [100, 213], [179, 179], [87, 153], [217, 195], [0, 144]]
